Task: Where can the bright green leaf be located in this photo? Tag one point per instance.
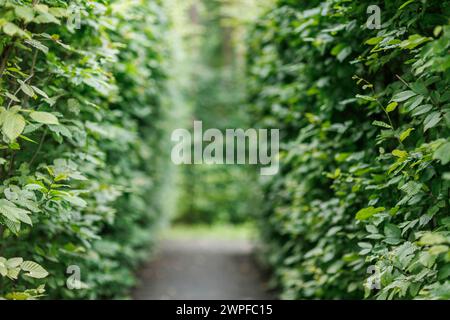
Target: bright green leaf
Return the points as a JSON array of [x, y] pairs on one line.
[[44, 117]]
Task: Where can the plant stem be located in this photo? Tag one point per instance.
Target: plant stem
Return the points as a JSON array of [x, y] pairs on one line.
[[4, 59], [41, 143], [11, 164], [404, 82]]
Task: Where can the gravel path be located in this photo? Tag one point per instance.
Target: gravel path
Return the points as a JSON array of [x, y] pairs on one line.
[[202, 269]]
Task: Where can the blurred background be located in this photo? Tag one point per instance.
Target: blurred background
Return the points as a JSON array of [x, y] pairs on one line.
[[212, 37]]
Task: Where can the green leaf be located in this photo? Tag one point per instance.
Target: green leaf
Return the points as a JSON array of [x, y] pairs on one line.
[[44, 117], [381, 124], [13, 273], [14, 262], [37, 44], [413, 41], [11, 29], [402, 96], [364, 97], [419, 87], [344, 53], [3, 269], [437, 31], [432, 238], [26, 88], [365, 245], [366, 213], [11, 211], [17, 296], [13, 125], [405, 134], [73, 106], [34, 270], [431, 120], [25, 13], [77, 201], [375, 40], [371, 229], [391, 106], [27, 139], [443, 153], [392, 231], [3, 114], [405, 4], [414, 102], [23, 216], [59, 12], [12, 97], [40, 92], [411, 188], [422, 110]]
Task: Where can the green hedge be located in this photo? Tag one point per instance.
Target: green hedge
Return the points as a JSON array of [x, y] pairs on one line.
[[80, 114], [363, 193]]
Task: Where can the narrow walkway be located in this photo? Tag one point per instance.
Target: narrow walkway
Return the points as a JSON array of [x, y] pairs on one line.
[[202, 269]]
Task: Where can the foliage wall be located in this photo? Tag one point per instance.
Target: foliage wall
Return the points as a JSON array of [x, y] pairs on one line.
[[80, 114], [361, 207]]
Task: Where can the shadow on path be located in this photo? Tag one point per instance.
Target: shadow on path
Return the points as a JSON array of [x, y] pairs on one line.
[[203, 269]]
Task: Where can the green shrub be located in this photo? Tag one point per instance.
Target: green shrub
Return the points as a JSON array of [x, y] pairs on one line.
[[365, 119], [80, 113]]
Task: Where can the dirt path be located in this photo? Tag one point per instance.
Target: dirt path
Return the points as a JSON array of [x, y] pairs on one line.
[[202, 269]]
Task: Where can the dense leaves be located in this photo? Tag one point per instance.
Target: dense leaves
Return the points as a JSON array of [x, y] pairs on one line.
[[80, 113], [362, 206]]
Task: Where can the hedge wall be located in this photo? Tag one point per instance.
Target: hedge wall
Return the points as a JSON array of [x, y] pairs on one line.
[[80, 107], [361, 207]]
